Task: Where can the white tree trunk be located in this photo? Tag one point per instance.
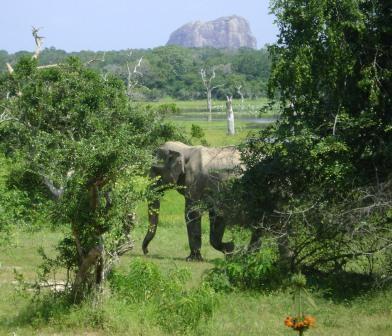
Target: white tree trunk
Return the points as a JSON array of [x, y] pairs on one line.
[[209, 105], [230, 116]]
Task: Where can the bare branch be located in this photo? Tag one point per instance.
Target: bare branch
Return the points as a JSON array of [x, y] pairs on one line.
[[334, 124], [135, 70], [56, 192], [10, 68], [6, 117], [48, 66], [132, 80], [38, 41], [96, 59], [216, 86]]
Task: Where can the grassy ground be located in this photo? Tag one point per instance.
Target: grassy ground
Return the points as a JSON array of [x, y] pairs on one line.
[[247, 108], [216, 131], [237, 313]]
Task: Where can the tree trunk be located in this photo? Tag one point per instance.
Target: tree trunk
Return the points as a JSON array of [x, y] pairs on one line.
[[83, 280], [230, 116], [286, 254], [90, 274], [209, 105]]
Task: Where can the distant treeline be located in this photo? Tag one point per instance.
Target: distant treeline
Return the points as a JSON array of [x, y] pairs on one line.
[[174, 71]]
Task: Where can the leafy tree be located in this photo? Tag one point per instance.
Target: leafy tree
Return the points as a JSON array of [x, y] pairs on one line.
[[320, 178], [76, 132]]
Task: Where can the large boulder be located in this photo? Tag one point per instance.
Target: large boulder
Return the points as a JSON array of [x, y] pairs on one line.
[[231, 32]]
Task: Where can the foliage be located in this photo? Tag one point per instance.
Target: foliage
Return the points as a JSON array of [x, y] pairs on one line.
[[175, 308], [76, 133], [174, 71], [198, 134], [244, 270], [319, 180]]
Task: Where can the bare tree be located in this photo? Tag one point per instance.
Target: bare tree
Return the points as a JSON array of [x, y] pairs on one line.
[[133, 75], [209, 88], [38, 46], [239, 87], [230, 116], [96, 59], [38, 41]]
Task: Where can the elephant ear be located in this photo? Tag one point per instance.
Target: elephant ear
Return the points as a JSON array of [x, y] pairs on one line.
[[176, 164]]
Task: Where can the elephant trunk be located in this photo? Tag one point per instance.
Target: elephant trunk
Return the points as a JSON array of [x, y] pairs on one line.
[[153, 219]]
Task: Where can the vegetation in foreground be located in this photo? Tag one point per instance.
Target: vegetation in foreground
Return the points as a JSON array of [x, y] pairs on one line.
[[235, 312]]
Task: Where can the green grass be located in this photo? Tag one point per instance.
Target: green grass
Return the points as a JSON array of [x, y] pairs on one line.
[[238, 313], [216, 132], [248, 108]]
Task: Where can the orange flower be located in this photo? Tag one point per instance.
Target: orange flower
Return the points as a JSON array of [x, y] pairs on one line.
[[299, 325], [309, 321], [288, 322]]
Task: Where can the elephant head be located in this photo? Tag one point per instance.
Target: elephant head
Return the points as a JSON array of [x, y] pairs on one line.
[[169, 167]]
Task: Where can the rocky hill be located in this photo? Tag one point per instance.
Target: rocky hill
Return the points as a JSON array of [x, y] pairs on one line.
[[231, 32]]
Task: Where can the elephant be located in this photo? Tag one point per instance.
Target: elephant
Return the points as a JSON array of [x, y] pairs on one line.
[[198, 172]]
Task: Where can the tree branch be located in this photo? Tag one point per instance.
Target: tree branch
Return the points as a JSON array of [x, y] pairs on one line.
[[9, 68], [131, 83], [56, 192], [38, 42], [96, 59], [6, 117]]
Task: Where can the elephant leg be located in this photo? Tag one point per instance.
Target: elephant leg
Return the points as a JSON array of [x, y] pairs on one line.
[[255, 240], [193, 225], [153, 219], [217, 230]]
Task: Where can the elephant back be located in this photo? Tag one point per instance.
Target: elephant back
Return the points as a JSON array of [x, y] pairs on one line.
[[209, 167], [225, 160]]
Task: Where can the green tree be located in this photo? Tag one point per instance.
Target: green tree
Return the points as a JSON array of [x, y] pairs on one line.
[[308, 175], [76, 132]]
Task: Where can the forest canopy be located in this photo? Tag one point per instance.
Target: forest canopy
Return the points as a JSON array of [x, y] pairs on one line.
[[174, 71]]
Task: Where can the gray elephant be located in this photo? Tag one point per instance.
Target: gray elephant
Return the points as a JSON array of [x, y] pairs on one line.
[[198, 172]]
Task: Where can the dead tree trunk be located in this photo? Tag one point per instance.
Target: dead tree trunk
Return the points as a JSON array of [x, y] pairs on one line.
[[133, 76], [230, 116], [209, 88], [209, 105], [239, 87]]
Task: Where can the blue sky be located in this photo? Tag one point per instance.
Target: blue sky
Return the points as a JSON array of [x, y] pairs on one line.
[[75, 25]]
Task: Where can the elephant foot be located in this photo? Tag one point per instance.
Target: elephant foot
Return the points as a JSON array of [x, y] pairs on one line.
[[194, 256], [145, 250], [228, 248]]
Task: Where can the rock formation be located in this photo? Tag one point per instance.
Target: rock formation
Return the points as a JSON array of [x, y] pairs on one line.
[[226, 32]]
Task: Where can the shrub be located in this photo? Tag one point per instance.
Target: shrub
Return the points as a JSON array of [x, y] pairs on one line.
[[173, 307], [244, 270]]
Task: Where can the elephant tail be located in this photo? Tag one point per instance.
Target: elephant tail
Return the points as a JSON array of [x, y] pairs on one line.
[[153, 218]]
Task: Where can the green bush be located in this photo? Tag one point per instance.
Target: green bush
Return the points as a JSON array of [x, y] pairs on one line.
[[173, 308], [244, 271], [141, 283]]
